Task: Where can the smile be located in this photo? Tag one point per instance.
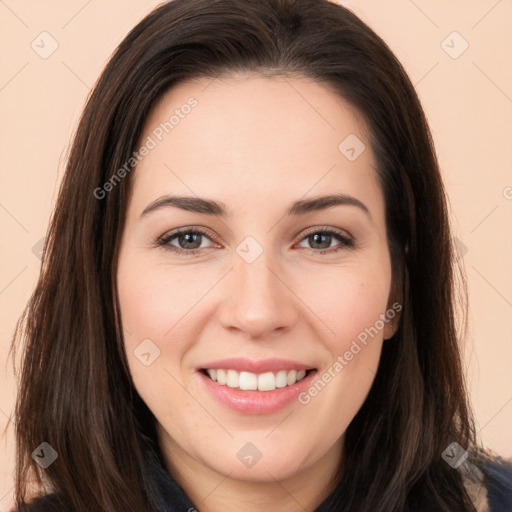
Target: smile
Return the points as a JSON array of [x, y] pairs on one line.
[[257, 387], [248, 381]]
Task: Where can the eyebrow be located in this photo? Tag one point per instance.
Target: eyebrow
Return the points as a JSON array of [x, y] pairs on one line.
[[218, 209]]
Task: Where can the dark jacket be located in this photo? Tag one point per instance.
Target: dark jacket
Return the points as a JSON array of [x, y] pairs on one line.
[[494, 496]]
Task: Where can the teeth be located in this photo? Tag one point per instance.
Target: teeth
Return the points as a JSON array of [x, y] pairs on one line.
[[248, 381], [221, 377], [266, 381], [291, 377], [233, 379], [281, 380]]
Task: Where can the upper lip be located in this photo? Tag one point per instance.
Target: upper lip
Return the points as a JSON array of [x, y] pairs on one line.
[[242, 364]]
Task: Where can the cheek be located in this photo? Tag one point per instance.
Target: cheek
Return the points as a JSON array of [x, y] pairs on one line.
[[352, 307], [350, 304], [151, 306], [156, 300], [156, 304]]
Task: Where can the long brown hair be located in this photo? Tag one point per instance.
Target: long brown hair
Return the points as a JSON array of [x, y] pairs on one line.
[[75, 390]]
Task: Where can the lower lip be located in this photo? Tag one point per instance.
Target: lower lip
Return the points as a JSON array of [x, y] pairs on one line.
[[256, 402]]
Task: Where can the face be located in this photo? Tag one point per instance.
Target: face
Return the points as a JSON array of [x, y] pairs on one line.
[[253, 326]]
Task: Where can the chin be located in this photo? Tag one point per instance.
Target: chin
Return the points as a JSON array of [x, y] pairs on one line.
[[261, 460]]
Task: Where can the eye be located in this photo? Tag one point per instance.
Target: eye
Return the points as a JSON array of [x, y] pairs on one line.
[[189, 241], [321, 238]]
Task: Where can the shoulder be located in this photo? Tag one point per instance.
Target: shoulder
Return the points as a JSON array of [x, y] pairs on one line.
[[490, 484], [498, 482], [490, 487]]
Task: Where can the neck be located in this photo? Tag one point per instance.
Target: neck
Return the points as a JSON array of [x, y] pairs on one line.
[[212, 491]]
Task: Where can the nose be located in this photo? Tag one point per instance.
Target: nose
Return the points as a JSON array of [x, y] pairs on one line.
[[259, 301]]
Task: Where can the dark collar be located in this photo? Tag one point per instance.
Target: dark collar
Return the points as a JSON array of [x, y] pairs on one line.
[[168, 496]]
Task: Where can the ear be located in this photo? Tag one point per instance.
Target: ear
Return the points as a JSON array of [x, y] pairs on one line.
[[393, 313]]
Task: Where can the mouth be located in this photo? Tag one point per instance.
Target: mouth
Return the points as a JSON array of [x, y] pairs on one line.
[[256, 387], [248, 381]]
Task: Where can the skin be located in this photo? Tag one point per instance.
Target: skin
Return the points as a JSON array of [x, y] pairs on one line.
[[257, 145]]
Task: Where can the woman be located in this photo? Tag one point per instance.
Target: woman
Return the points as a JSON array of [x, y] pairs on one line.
[[301, 353]]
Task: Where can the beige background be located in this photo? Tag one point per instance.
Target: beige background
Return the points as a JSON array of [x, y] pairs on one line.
[[468, 101]]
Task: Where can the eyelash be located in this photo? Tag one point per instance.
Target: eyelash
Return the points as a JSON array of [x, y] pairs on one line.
[[163, 241]]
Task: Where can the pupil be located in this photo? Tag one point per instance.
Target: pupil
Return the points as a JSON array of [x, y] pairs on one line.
[[319, 235], [189, 238]]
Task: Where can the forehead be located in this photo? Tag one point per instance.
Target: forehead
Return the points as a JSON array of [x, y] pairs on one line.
[[251, 136]]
